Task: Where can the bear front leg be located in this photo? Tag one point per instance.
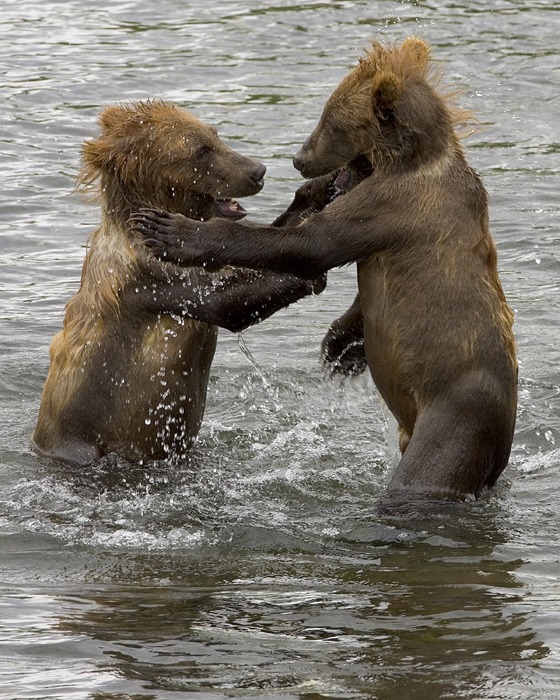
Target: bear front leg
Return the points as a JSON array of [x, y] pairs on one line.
[[218, 243], [233, 299], [309, 198], [242, 297], [337, 236], [342, 349]]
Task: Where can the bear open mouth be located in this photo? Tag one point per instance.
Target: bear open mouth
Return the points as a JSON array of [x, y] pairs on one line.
[[352, 174], [343, 180], [230, 209]]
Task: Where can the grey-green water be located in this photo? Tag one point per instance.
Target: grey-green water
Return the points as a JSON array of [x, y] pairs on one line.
[[260, 569]]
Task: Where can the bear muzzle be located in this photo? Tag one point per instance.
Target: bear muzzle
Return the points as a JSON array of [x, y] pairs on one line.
[[307, 164], [257, 176]]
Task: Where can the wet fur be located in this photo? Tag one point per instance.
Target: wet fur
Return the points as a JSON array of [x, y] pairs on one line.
[[438, 330], [129, 371]]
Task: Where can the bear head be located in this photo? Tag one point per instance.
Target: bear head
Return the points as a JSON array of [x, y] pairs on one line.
[[153, 154], [386, 110]]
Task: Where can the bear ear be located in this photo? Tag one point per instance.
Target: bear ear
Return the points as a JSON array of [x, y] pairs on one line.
[[95, 159], [109, 156], [387, 89], [113, 117], [112, 153], [417, 49]]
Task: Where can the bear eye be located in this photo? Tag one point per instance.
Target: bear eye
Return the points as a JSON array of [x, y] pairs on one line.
[[203, 150], [336, 128]]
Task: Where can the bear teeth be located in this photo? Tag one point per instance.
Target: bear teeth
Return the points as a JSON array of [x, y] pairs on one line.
[[229, 208]]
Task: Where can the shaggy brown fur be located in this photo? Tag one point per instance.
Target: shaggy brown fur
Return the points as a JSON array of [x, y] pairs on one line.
[[129, 370], [438, 331]]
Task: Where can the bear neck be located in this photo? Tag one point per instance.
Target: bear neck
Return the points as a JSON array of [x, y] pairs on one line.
[[409, 150], [119, 201]]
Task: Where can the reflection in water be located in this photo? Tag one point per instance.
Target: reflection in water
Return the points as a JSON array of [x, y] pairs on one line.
[[375, 611]]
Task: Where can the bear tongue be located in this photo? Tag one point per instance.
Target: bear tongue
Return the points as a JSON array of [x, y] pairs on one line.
[[230, 209], [343, 179]]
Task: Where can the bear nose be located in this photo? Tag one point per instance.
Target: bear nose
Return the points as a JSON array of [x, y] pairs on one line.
[[259, 172], [298, 161]]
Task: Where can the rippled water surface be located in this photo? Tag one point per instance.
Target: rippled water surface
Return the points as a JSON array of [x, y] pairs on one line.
[[260, 569]]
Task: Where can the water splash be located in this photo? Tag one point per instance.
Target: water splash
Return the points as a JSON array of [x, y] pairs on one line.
[[271, 392]]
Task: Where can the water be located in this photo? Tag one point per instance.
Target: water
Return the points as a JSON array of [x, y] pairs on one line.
[[259, 569]]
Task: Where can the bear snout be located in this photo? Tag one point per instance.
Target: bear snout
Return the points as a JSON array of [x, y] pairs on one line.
[[298, 161], [258, 174], [307, 164]]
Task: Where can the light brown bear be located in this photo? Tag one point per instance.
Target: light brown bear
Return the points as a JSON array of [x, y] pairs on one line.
[[129, 371], [438, 330]]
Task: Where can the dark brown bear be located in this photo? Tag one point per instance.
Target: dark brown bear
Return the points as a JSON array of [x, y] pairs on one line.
[[129, 371], [438, 331]]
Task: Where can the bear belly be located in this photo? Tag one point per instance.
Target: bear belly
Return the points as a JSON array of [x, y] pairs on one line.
[[162, 416], [387, 361]]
